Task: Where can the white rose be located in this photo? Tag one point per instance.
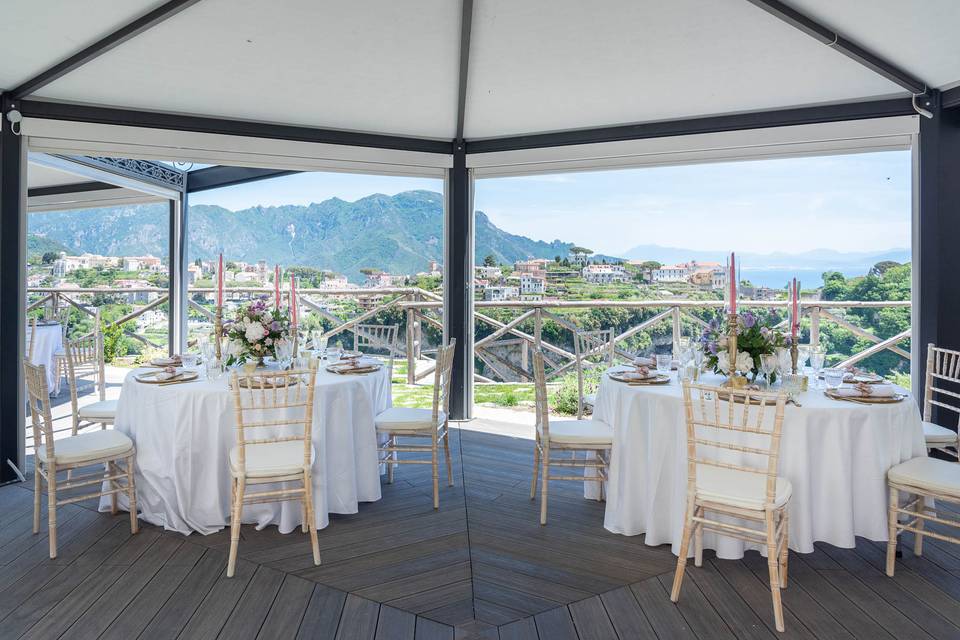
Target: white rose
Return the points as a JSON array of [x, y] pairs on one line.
[[723, 362], [254, 332], [744, 362]]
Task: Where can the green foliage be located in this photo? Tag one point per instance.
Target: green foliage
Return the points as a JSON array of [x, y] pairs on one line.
[[566, 397], [114, 342]]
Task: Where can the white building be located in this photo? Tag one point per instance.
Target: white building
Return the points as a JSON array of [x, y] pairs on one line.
[[497, 294], [682, 272], [65, 264], [384, 281], [605, 273], [332, 282], [488, 273], [531, 284], [142, 263]]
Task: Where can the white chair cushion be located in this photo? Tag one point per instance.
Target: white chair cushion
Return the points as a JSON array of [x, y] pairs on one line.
[[270, 459], [931, 474], [935, 434], [738, 488], [105, 409], [400, 419], [580, 432], [94, 445], [589, 399]]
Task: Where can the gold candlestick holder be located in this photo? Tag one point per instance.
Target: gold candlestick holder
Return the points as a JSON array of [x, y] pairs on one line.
[[732, 337], [794, 355], [218, 332]]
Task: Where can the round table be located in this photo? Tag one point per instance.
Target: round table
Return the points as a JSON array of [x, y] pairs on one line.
[[47, 342], [835, 454], [184, 432]]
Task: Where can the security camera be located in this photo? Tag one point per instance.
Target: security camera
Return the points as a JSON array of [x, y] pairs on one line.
[[14, 116]]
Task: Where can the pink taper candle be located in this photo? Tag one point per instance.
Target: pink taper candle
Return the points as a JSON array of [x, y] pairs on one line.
[[732, 276], [293, 300], [276, 285], [220, 282]]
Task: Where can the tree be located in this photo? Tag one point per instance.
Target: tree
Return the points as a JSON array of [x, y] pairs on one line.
[[49, 256], [581, 250], [557, 259], [490, 261], [878, 269], [650, 264], [370, 271]]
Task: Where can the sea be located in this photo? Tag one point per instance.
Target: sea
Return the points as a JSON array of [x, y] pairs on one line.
[[809, 278]]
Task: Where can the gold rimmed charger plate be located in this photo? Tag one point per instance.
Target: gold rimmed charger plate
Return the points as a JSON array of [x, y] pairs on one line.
[[164, 362], [660, 378], [264, 382], [866, 399], [335, 368], [151, 377]]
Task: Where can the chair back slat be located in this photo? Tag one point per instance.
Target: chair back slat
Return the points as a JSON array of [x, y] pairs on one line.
[[38, 399], [373, 338], [281, 401], [716, 416], [442, 373], [540, 396], [592, 348], [31, 338], [943, 371]]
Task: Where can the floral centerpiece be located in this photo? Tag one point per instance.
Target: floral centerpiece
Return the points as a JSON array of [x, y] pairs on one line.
[[755, 337], [256, 331]]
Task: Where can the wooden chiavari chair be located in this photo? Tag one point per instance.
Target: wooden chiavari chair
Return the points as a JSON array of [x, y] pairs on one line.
[[573, 436], [85, 359], [920, 478], [370, 338], [942, 389], [108, 448], [739, 480], [407, 422], [593, 348], [60, 355], [280, 402]]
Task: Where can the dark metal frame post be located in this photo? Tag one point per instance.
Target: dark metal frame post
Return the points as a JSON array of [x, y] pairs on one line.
[[938, 301], [458, 282], [178, 281], [12, 293]]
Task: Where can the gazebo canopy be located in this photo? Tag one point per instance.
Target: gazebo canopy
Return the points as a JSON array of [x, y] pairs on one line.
[[526, 67]]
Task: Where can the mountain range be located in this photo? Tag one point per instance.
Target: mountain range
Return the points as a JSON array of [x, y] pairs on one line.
[[397, 234]]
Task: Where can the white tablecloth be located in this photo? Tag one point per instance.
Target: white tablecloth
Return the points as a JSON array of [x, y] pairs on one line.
[[48, 341], [836, 455], [184, 432]]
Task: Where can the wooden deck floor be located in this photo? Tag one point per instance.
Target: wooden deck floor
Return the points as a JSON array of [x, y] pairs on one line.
[[479, 567]]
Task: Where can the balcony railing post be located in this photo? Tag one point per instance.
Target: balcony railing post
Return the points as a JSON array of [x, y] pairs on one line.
[[538, 328], [815, 327], [675, 312], [411, 358]]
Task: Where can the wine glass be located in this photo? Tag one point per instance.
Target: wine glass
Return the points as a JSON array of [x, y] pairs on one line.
[[803, 354], [769, 364], [817, 358]]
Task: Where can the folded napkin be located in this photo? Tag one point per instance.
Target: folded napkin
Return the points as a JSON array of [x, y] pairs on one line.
[[167, 373], [641, 374], [866, 390]]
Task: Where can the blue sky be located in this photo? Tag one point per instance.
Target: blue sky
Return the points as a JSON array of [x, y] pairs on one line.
[[845, 202]]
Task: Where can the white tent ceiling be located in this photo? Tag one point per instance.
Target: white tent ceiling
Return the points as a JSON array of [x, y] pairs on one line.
[[535, 65]]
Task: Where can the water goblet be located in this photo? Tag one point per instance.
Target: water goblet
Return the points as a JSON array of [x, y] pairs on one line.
[[833, 378], [333, 354], [663, 362], [189, 360], [803, 354]]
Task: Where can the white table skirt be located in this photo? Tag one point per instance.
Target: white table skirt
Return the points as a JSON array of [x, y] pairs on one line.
[[48, 341], [183, 434], [835, 454]]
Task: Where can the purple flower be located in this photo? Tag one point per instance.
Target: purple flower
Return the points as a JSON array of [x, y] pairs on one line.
[[749, 320], [274, 326], [713, 348], [764, 331]]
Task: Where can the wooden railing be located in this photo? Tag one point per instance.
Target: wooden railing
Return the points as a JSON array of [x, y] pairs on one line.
[[497, 340]]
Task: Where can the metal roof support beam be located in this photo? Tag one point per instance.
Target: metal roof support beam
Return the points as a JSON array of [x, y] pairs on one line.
[[76, 187], [226, 126], [466, 24], [714, 124], [226, 176], [850, 49], [102, 46]]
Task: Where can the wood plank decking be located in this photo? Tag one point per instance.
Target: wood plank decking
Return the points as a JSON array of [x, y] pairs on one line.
[[480, 567]]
